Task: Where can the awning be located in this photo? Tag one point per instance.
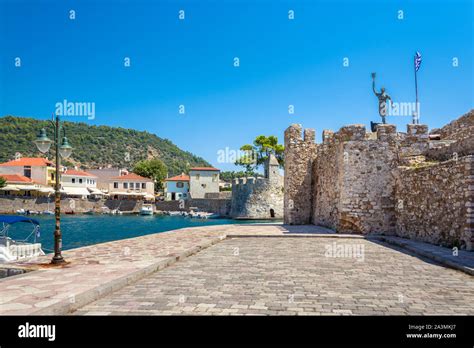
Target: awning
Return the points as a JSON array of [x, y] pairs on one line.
[[9, 188], [27, 187], [148, 196], [127, 193], [95, 191], [46, 190], [75, 191]]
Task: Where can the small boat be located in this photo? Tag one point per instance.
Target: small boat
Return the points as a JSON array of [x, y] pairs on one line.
[[21, 211], [12, 250], [89, 212], [48, 212], [203, 215], [146, 209]]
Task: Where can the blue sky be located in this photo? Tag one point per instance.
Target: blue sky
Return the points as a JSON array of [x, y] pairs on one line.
[[282, 62]]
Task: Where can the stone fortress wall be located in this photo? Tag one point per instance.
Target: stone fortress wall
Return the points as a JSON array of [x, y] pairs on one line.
[[299, 156], [389, 182], [259, 198]]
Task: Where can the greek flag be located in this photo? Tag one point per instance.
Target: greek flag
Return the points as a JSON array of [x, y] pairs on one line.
[[417, 61]]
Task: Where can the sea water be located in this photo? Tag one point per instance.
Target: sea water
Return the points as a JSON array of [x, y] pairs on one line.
[[82, 230]]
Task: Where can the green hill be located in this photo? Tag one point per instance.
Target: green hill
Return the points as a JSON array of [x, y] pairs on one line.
[[95, 146]]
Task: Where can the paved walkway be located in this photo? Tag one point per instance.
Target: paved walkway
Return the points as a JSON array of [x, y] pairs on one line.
[[284, 258], [96, 270], [461, 259], [295, 276]]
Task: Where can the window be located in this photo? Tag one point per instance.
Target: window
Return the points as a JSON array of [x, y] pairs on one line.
[[214, 177], [27, 171], [125, 185], [179, 184], [73, 180], [143, 185], [116, 185], [52, 176], [198, 176], [80, 181], [203, 185]]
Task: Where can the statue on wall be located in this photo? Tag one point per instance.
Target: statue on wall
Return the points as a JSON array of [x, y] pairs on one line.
[[383, 97]]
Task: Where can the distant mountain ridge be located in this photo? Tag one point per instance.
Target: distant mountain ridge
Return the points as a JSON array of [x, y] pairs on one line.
[[95, 146]]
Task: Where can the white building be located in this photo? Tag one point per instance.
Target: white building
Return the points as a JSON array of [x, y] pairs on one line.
[[177, 187], [203, 180], [105, 175], [78, 183], [131, 186]]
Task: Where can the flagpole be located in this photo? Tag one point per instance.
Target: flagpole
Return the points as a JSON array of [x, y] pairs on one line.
[[416, 118]]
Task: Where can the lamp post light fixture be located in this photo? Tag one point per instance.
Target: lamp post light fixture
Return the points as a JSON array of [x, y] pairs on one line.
[[43, 143]]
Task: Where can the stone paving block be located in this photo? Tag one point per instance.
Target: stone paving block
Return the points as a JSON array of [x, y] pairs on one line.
[[267, 279]]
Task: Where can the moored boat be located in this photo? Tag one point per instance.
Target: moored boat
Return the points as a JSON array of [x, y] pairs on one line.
[[12, 250], [146, 209]]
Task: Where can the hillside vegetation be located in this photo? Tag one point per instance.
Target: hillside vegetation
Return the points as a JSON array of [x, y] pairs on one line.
[[95, 146]]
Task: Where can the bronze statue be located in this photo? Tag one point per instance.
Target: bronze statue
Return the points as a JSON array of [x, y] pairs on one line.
[[383, 97]]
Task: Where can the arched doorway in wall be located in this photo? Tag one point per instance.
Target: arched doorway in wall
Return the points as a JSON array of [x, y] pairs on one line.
[[272, 213]]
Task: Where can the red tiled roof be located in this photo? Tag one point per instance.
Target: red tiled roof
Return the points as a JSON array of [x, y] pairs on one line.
[[27, 161], [78, 173], [205, 168], [178, 178], [131, 176], [11, 178]]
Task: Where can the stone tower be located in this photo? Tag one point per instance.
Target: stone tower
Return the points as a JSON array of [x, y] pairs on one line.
[[299, 156], [259, 198], [272, 169]]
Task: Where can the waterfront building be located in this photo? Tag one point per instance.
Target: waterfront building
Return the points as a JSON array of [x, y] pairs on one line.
[[203, 180], [225, 185], [104, 176], [38, 169], [21, 186], [131, 186], [177, 187], [76, 183]]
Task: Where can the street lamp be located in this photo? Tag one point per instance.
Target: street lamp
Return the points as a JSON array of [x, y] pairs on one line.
[[43, 143]]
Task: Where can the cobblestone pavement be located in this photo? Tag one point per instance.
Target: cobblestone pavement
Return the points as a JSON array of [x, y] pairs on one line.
[[295, 276], [96, 270]]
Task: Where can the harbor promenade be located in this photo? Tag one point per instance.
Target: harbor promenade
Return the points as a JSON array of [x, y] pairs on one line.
[[253, 269]]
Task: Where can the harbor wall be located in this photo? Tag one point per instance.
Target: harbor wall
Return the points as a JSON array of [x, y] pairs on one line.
[[10, 204], [216, 206]]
